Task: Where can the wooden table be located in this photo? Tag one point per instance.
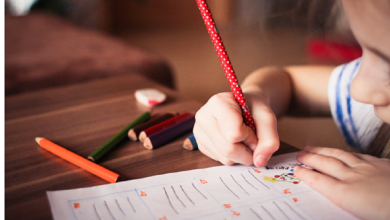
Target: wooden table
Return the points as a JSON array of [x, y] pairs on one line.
[[81, 118]]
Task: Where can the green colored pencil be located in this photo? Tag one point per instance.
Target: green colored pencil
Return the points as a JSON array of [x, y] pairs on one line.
[[99, 153]]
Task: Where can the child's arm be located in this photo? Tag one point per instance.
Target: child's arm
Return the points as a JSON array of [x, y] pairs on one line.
[[269, 92], [296, 90]]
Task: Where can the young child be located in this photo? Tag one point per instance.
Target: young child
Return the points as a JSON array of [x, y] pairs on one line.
[[357, 95]]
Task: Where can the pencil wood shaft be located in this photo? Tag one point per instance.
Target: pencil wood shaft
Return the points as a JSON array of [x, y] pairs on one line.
[[134, 132], [78, 160], [160, 138], [103, 150], [225, 62], [163, 125]]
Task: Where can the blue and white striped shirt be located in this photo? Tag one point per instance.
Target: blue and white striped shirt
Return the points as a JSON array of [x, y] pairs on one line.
[[356, 121]]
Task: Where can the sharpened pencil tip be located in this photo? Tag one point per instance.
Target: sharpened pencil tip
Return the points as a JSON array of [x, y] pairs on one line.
[[148, 144], [91, 158], [38, 139], [187, 144]]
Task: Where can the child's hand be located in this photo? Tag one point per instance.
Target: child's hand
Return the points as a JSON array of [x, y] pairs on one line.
[[358, 183], [223, 136]]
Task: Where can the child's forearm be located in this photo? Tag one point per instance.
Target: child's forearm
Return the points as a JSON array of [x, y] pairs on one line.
[[296, 90], [274, 83]]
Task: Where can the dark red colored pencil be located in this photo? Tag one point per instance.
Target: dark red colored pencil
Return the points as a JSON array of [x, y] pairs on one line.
[[163, 125], [134, 133], [160, 138]]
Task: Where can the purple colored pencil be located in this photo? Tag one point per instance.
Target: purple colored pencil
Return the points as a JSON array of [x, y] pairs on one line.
[[160, 138]]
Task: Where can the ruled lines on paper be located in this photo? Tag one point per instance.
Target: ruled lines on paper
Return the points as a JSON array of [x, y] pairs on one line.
[[225, 192], [235, 194]]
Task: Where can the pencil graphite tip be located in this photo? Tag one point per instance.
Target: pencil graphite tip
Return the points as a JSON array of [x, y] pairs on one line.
[[38, 139]]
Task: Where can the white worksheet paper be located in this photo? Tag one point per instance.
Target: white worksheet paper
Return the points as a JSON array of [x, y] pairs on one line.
[[223, 192]]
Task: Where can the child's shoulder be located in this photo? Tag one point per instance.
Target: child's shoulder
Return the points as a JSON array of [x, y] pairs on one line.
[[344, 74]]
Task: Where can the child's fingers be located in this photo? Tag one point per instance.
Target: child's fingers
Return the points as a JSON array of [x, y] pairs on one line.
[[365, 157], [206, 152], [326, 185], [205, 146], [327, 165], [250, 140], [226, 153], [235, 131], [230, 120], [267, 134], [201, 138], [236, 152], [222, 113], [347, 158], [219, 157]]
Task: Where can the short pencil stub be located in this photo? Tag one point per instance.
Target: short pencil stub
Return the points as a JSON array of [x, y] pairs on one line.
[[91, 158], [188, 145], [132, 135], [142, 136], [148, 144]]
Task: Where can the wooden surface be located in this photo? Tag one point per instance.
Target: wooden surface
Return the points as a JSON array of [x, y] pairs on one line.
[[81, 118]]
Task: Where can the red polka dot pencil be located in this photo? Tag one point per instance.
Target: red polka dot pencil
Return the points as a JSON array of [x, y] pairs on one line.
[[226, 64]]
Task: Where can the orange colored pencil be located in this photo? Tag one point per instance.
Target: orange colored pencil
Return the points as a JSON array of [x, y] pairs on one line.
[[78, 160]]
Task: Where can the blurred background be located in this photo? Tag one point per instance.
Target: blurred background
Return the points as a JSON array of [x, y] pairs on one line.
[[256, 33]]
